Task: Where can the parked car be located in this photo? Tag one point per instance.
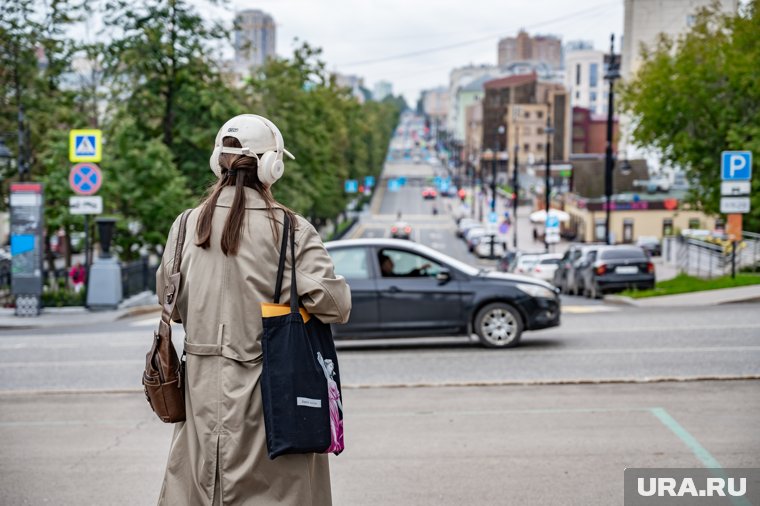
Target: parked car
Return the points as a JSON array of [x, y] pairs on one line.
[[483, 247], [615, 268], [401, 230], [429, 193], [573, 279], [449, 192], [405, 289], [465, 224], [506, 261], [650, 244], [545, 266], [473, 235], [524, 262], [565, 267]]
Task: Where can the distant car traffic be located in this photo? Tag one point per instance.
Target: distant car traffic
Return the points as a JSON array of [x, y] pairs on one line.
[[401, 230], [429, 192], [545, 266], [573, 280], [403, 289], [615, 268], [465, 224], [650, 244]]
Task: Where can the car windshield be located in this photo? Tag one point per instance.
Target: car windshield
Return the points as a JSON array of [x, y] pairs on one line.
[[550, 261], [617, 254]]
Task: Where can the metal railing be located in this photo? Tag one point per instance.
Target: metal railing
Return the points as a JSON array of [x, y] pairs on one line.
[[708, 260], [138, 276]]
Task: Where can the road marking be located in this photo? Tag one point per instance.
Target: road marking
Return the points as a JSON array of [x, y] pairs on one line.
[[437, 245]]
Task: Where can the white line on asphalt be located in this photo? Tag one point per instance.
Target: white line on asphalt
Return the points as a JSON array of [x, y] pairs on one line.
[[589, 309]]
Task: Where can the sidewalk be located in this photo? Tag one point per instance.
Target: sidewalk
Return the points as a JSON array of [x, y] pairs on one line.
[[78, 315], [703, 298]]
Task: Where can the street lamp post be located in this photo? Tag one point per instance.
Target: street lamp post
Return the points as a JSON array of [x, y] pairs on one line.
[[547, 176], [515, 180], [613, 73], [499, 132]]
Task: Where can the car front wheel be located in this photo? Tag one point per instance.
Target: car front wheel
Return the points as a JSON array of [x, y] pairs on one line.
[[498, 325]]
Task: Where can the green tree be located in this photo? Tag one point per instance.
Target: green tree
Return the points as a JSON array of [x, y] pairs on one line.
[[698, 95], [160, 68]]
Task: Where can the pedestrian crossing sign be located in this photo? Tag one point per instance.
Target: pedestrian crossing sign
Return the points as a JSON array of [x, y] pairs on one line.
[[85, 145]]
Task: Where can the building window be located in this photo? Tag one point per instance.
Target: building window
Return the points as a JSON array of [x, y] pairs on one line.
[[578, 74], [599, 228], [526, 147], [667, 227], [592, 96], [628, 230], [526, 115], [540, 146], [577, 95], [693, 223], [593, 75], [690, 20], [539, 114]]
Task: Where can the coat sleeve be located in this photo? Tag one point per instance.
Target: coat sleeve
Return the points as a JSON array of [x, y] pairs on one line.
[[167, 261], [324, 294]]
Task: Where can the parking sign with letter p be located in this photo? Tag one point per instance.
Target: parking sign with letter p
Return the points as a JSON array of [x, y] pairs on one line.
[[736, 165]]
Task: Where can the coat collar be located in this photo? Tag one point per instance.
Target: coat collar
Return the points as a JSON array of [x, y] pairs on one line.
[[253, 199]]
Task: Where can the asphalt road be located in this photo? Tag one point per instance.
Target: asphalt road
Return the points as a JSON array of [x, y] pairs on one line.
[[521, 445]]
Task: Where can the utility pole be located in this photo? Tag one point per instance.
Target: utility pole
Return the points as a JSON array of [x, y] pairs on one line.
[[613, 73], [547, 176], [499, 132], [515, 180]]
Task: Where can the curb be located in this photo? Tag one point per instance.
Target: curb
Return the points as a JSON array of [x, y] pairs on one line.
[[620, 300]]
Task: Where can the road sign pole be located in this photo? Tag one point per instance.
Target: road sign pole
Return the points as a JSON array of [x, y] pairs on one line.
[[733, 259]]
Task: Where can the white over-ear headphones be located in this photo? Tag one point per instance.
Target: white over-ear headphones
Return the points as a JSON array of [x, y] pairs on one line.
[[246, 128]]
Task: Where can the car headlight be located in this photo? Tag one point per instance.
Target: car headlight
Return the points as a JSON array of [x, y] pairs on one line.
[[536, 291]]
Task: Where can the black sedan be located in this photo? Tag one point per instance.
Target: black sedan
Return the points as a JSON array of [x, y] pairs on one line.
[[403, 289], [615, 268]]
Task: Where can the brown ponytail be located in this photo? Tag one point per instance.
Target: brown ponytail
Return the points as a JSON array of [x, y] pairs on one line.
[[240, 171]]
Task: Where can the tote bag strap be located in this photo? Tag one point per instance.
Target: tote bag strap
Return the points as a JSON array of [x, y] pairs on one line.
[[293, 288], [281, 262]]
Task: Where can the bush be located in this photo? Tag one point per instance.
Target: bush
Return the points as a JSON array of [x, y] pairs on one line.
[[62, 298]]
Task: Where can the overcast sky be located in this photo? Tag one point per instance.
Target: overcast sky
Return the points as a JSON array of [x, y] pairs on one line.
[[354, 33]]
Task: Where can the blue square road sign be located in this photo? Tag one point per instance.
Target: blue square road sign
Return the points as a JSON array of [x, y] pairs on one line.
[[736, 165]]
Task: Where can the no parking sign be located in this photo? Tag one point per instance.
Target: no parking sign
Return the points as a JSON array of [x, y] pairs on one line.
[[85, 178]]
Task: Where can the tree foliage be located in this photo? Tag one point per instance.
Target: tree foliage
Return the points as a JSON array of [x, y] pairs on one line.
[[699, 95], [159, 95]]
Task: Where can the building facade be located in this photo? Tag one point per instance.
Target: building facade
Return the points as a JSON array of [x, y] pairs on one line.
[[522, 104], [589, 132], [435, 105], [381, 90], [645, 20], [584, 79], [458, 78], [540, 48], [255, 36]]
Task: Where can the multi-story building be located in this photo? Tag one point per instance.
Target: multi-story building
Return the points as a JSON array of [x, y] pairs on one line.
[[473, 136], [255, 35], [521, 104], [458, 78], [435, 105], [540, 48], [584, 79], [645, 20], [381, 90], [466, 96], [589, 133]]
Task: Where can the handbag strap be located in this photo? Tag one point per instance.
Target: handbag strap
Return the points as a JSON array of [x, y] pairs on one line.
[[173, 281], [293, 288]]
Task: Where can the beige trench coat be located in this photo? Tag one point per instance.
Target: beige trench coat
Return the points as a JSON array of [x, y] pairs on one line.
[[219, 456]]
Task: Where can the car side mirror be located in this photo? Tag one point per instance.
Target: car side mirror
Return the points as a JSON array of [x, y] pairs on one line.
[[443, 276]]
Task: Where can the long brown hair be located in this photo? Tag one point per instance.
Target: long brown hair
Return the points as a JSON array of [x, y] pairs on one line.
[[238, 171]]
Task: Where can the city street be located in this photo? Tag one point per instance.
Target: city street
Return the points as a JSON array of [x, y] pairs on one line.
[[613, 387]]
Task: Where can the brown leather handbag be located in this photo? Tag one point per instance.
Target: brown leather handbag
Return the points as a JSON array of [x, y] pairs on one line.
[[163, 378]]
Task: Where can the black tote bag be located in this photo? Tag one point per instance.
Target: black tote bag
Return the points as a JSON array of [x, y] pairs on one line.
[[300, 382]]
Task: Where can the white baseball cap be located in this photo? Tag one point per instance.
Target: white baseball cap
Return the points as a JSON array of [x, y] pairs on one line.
[[257, 136]]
